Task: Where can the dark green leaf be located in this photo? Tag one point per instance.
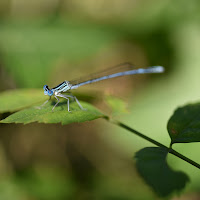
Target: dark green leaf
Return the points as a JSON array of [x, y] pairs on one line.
[[14, 100], [152, 166], [184, 125], [59, 115]]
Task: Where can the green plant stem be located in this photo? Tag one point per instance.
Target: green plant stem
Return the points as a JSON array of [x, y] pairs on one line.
[[184, 158], [170, 150]]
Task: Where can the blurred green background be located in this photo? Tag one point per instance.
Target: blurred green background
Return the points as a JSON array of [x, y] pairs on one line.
[[48, 41]]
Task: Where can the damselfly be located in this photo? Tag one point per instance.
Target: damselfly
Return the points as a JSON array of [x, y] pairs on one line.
[[117, 71]]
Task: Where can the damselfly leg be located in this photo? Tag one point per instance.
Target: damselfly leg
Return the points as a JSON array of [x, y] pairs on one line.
[[58, 100], [40, 107], [67, 97]]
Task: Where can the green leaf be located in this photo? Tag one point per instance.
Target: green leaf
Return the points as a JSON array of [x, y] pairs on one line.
[[152, 166], [117, 105], [59, 115], [14, 100], [184, 125]]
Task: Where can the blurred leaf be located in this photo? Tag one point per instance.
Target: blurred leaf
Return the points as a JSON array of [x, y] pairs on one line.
[[117, 105], [152, 166], [46, 182], [35, 48], [14, 100], [59, 115], [184, 125], [10, 190]]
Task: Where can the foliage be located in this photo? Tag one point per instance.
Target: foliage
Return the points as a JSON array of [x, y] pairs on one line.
[[151, 162], [118, 106], [26, 45], [37, 52], [184, 125], [15, 100]]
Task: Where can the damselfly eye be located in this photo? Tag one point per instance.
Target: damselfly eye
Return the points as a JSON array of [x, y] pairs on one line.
[[50, 93]]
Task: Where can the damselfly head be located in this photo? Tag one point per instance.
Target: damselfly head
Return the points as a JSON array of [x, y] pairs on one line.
[[46, 87], [47, 91]]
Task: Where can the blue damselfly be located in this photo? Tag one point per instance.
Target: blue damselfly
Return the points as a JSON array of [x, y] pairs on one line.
[[117, 71]]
